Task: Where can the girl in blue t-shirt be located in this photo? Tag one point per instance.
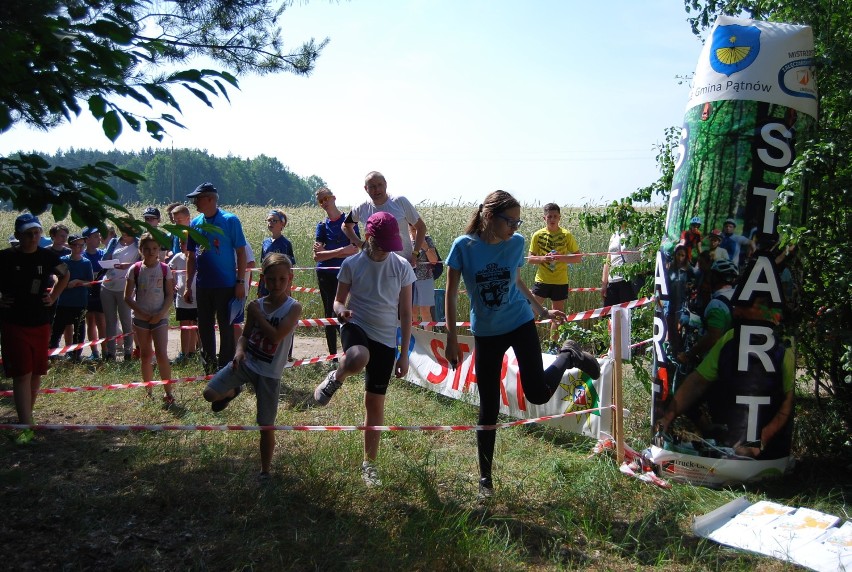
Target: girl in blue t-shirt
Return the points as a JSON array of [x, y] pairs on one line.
[[487, 258]]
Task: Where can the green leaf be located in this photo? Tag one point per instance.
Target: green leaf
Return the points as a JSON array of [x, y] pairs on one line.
[[112, 125], [97, 105]]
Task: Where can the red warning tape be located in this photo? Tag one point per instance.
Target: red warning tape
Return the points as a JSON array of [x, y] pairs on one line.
[[135, 384], [57, 427]]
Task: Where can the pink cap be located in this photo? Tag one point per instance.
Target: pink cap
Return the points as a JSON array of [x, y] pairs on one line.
[[384, 229]]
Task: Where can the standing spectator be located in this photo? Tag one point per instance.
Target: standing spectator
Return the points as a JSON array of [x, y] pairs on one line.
[[238, 320], [739, 247], [401, 209], [373, 300], [424, 288], [148, 292], [186, 313], [614, 287], [152, 216], [70, 319], [179, 215], [106, 238], [125, 251], [553, 248], [95, 317], [276, 222], [220, 266], [331, 247], [59, 239], [488, 257], [260, 356], [26, 277]]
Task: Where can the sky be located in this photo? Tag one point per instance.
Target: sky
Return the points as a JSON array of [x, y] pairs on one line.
[[554, 101]]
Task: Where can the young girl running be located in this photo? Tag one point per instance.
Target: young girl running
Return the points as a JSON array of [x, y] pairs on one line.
[[149, 292], [261, 353], [502, 315], [377, 284]]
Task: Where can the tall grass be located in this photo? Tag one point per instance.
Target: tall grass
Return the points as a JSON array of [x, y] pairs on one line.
[[188, 500]]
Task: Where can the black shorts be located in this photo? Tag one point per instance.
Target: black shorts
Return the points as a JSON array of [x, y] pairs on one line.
[[555, 292], [186, 314], [379, 368]]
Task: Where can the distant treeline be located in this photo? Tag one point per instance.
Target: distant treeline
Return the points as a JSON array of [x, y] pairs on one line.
[[171, 174]]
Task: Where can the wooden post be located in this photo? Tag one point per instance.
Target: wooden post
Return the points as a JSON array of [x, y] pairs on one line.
[[617, 393]]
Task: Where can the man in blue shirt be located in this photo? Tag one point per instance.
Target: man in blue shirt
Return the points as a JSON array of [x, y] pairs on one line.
[[219, 269]]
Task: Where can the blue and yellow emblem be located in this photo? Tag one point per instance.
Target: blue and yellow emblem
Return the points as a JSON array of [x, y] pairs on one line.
[[733, 48]]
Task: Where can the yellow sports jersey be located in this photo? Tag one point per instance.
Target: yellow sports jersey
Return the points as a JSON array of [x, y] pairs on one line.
[[560, 242]]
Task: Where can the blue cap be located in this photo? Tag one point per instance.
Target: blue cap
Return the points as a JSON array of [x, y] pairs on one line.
[[26, 221], [89, 231]]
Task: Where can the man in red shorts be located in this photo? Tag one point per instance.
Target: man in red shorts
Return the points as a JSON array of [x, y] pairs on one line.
[[27, 291]]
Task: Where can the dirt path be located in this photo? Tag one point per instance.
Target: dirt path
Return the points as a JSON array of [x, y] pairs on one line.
[[304, 347]]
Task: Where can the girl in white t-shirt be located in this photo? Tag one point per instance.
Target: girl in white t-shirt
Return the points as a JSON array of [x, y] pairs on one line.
[[148, 292], [373, 299]]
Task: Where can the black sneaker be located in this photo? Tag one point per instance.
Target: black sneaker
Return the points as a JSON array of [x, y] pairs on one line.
[[585, 361], [221, 404]]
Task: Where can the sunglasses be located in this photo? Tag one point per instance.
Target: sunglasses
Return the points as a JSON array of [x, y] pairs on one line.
[[324, 200], [512, 222]]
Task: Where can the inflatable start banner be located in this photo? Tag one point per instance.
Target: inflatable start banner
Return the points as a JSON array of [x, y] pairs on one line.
[[724, 370]]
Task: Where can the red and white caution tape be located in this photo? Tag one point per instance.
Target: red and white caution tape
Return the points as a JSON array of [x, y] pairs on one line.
[[339, 428], [80, 346], [135, 384]]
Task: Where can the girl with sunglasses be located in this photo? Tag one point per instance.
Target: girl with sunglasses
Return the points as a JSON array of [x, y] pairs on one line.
[[502, 315]]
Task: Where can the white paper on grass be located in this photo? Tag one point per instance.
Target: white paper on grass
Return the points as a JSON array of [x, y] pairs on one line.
[[800, 535]]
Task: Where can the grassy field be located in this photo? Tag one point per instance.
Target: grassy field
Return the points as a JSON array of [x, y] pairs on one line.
[[172, 500]]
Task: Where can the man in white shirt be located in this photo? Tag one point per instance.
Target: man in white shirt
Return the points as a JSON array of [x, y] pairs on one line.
[[400, 207]]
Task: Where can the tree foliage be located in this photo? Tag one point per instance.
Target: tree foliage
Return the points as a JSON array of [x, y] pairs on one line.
[[122, 60]]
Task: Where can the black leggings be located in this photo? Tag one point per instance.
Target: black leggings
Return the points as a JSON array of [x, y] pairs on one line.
[[539, 384]]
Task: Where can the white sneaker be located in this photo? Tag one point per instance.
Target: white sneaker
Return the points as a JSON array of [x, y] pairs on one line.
[[326, 389], [370, 475]]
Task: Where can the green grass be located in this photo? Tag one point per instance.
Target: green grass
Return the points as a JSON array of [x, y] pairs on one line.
[[189, 500]]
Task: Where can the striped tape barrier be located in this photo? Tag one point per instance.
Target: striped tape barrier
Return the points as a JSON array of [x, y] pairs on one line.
[[338, 428], [190, 379]]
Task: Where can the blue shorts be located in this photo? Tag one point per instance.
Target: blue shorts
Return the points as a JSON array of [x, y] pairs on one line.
[[379, 368]]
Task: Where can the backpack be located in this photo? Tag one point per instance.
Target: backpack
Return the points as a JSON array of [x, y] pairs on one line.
[[137, 266], [438, 267]]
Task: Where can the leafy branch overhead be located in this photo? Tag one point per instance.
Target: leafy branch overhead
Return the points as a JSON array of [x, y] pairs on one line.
[[117, 57]]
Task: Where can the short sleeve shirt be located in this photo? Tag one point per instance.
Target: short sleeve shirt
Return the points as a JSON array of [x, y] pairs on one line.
[[401, 209], [374, 293], [489, 272], [561, 242], [216, 264], [25, 277]]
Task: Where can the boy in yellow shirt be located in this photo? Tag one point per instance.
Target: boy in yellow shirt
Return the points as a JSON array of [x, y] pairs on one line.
[[553, 248]]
